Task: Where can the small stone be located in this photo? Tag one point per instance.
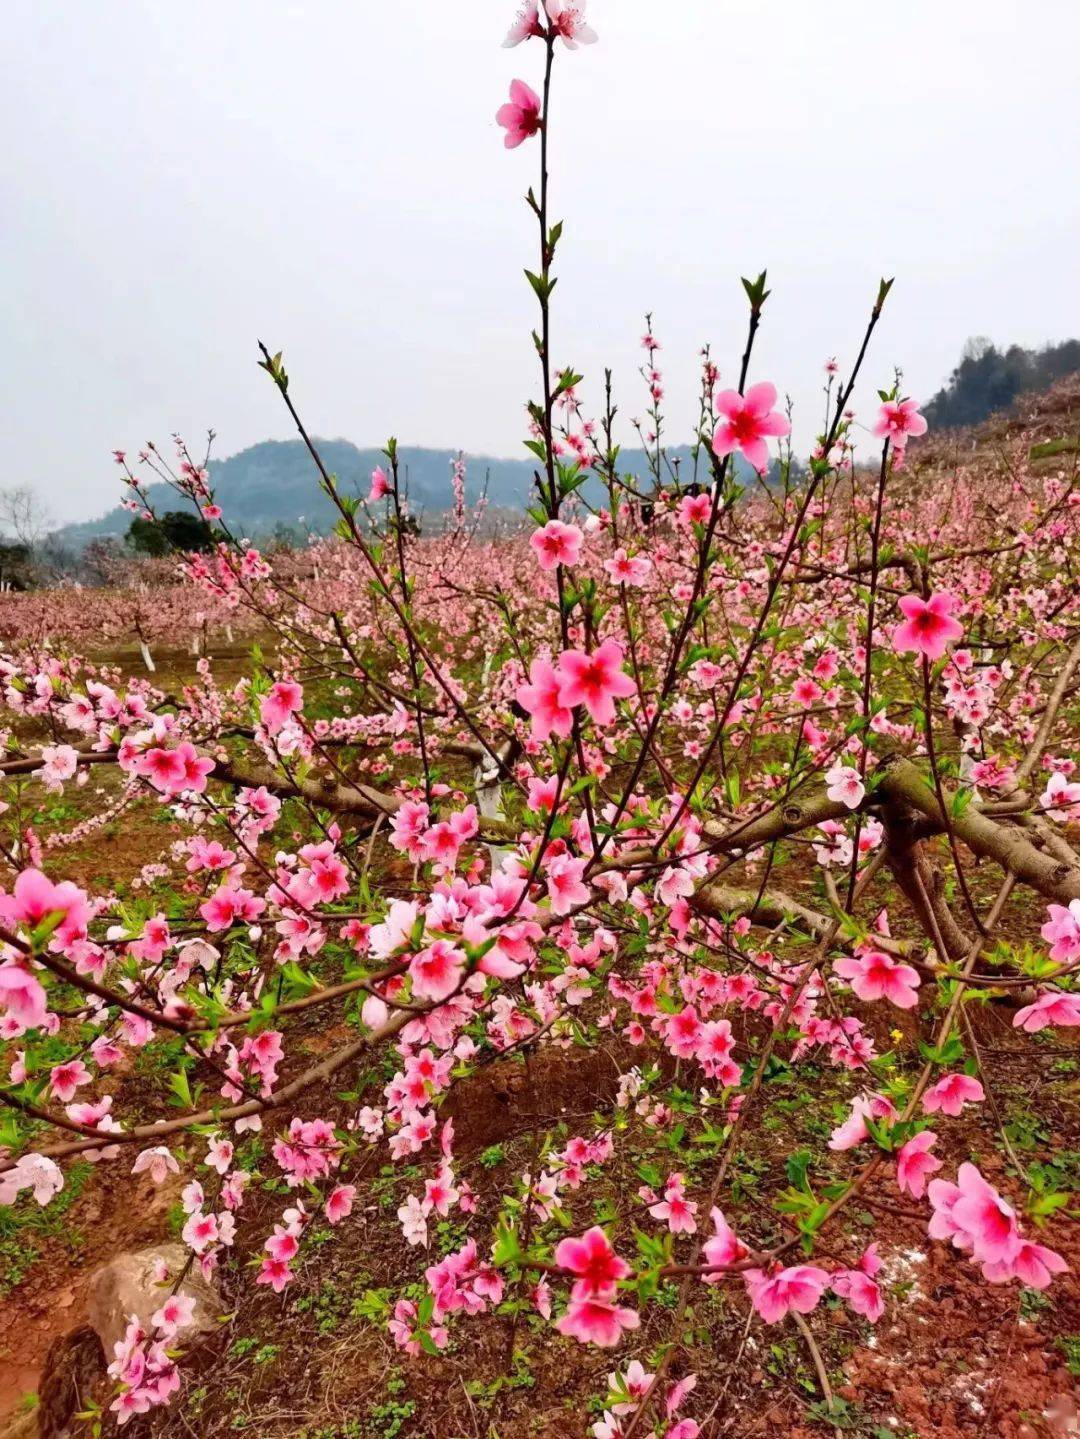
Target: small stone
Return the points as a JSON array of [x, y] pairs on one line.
[[126, 1287]]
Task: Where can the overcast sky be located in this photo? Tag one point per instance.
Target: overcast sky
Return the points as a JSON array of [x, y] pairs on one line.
[[180, 179]]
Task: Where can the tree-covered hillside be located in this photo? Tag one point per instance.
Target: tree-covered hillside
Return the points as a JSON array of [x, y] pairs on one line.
[[988, 380], [268, 487]]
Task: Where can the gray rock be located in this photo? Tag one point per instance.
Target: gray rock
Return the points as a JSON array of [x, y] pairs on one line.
[[125, 1287]]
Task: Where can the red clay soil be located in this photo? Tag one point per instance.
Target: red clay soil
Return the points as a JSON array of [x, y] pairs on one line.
[[115, 1212], [952, 1358]]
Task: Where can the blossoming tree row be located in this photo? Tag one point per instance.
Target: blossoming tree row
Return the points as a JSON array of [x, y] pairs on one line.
[[713, 770]]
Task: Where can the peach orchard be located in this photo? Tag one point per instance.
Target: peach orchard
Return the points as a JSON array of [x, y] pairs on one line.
[[705, 764]]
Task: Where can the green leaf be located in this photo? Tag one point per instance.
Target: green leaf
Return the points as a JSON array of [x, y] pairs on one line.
[[541, 287], [797, 1167], [1042, 1206], [180, 1086], [507, 1247], [756, 292], [41, 933]]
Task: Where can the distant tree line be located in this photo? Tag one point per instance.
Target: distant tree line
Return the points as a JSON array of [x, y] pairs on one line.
[[988, 380]]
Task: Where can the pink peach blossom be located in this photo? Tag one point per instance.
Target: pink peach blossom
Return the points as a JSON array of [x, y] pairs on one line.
[[1033, 1264], [854, 1130], [775, 1295], [593, 1319], [557, 544], [844, 785], [1051, 1007], [915, 1163], [974, 1216], [876, 976], [593, 1261], [22, 996], [437, 971], [860, 1288], [722, 1247], [951, 1093], [625, 569], [520, 118], [900, 421], [1062, 932], [746, 421], [595, 680], [540, 697], [35, 899], [525, 26], [339, 1203], [929, 627], [564, 884], [567, 19], [1061, 799], [285, 698]]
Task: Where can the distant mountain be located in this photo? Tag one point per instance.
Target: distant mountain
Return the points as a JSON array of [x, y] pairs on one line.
[[273, 486], [988, 380]]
